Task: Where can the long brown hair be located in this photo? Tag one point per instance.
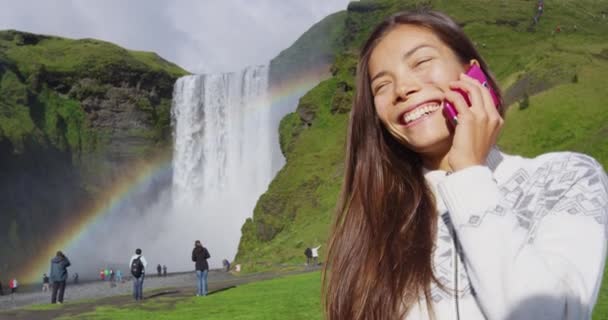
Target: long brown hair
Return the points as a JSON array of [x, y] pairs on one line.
[[381, 247]]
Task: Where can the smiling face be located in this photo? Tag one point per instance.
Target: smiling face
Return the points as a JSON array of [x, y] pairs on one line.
[[410, 69]]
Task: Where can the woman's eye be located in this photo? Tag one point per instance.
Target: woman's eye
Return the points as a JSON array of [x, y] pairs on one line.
[[379, 87], [422, 61]]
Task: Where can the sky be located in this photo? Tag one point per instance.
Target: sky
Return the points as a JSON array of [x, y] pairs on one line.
[[204, 36]]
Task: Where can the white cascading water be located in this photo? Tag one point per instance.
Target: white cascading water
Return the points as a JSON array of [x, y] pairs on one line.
[[222, 158]]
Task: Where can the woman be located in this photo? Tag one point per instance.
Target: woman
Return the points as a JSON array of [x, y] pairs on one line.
[[435, 221]]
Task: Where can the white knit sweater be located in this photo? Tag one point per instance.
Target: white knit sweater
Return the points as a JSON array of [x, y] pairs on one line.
[[530, 236]]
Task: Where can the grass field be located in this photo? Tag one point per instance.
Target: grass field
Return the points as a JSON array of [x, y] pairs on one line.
[[292, 297]]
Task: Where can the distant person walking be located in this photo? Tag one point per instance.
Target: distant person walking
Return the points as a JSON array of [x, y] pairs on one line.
[[315, 255], [226, 265], [308, 254], [164, 270], [59, 275], [45, 283], [138, 264], [200, 256], [159, 270]]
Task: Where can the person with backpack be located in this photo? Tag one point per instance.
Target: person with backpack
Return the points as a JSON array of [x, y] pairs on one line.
[[308, 254], [59, 276], [200, 256], [138, 264]]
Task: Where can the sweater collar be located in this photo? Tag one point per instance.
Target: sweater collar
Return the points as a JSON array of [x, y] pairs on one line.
[[495, 157]]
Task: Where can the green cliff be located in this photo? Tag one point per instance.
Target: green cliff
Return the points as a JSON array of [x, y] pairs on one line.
[[73, 115], [561, 76]]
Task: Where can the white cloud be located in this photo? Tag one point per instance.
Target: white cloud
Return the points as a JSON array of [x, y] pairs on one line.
[[201, 36]]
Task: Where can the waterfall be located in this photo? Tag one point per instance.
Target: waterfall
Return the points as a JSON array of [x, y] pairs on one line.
[[222, 156]]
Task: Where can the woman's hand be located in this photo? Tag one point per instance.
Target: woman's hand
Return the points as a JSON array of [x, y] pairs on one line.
[[478, 126]]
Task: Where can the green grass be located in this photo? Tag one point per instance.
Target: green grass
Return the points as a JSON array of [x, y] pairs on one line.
[[291, 297]]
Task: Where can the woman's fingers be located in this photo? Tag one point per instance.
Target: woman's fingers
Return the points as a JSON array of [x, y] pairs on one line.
[[459, 103], [475, 91]]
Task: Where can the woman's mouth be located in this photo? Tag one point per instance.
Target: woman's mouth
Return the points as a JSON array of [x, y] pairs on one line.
[[419, 113]]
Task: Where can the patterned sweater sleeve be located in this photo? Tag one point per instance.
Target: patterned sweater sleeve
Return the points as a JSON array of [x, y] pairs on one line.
[[549, 270]]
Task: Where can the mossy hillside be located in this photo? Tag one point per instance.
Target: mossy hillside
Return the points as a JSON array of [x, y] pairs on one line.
[[40, 69], [73, 115], [526, 59]]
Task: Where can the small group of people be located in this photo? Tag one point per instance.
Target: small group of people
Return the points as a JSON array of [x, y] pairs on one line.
[[111, 276], [161, 270], [312, 254], [13, 284]]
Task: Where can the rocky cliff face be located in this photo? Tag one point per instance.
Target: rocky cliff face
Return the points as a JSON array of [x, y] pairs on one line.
[[74, 114]]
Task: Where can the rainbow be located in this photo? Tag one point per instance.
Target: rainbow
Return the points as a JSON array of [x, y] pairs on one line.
[[139, 177]]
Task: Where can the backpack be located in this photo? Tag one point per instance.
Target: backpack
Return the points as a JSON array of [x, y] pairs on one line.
[[137, 268]]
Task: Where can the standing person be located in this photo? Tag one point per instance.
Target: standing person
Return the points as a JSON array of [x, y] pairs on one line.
[[226, 265], [45, 283], [159, 269], [13, 285], [200, 256], [102, 275], [434, 220], [59, 275], [315, 255], [119, 275], [308, 254], [138, 264], [76, 278], [164, 270], [1, 291], [112, 279]]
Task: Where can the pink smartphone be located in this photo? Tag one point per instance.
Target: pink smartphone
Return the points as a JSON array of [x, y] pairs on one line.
[[476, 73]]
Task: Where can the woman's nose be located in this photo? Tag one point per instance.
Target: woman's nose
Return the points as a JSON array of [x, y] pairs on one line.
[[405, 90]]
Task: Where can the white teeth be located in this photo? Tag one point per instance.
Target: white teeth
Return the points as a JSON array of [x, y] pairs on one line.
[[419, 112]]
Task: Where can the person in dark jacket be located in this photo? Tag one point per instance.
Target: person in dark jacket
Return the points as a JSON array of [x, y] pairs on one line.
[[159, 269], [200, 256], [45, 283], [59, 275]]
